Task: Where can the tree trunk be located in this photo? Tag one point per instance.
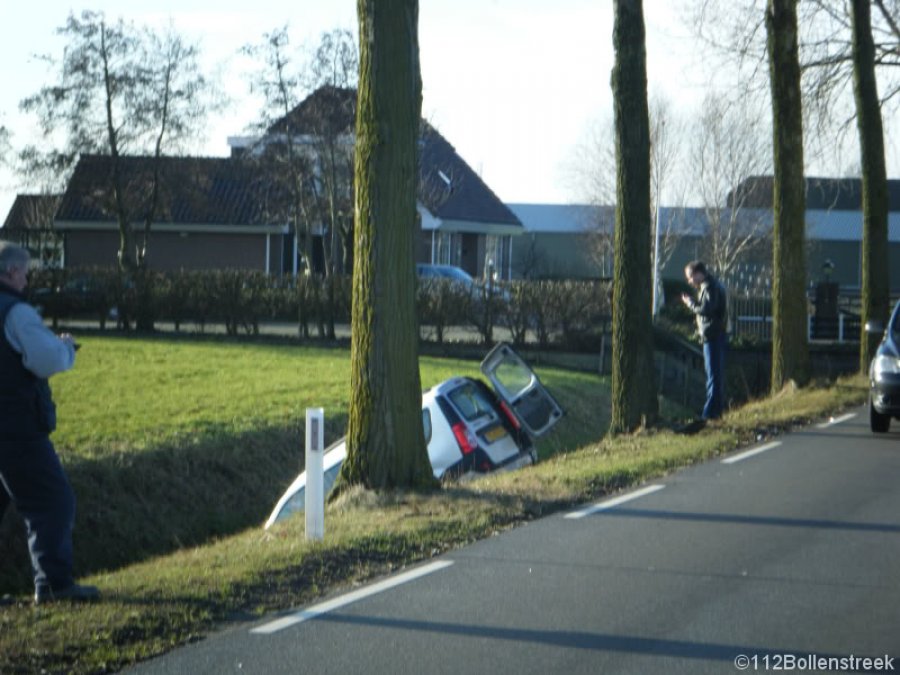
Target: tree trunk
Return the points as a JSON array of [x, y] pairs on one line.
[[634, 400], [790, 349], [385, 439], [875, 274]]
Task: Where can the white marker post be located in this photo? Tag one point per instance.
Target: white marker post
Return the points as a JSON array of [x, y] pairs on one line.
[[315, 491]]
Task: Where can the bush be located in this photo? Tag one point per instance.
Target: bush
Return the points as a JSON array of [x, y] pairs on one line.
[[442, 303], [571, 314]]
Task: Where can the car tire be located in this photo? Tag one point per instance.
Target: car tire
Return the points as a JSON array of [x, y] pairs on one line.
[[879, 423]]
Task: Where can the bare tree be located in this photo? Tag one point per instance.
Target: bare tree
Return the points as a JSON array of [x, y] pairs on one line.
[[592, 170], [730, 145], [33, 227], [790, 351], [121, 90], [875, 271], [5, 147], [733, 33], [634, 400], [283, 160], [306, 151], [666, 136], [334, 62], [334, 66], [385, 439]]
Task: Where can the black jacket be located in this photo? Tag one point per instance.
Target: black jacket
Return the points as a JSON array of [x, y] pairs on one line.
[[711, 309], [26, 403]]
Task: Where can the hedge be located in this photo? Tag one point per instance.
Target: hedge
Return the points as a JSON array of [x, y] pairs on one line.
[[565, 313]]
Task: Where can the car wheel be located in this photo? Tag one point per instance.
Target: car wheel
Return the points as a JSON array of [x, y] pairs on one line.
[[878, 422]]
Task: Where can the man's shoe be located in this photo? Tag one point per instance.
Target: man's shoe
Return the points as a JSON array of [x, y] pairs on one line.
[[693, 427], [74, 593]]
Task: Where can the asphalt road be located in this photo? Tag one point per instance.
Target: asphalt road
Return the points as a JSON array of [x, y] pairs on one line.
[[774, 561]]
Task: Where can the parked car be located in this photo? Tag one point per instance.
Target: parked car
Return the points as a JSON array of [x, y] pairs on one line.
[[470, 427], [884, 374], [460, 278], [450, 272], [78, 297]]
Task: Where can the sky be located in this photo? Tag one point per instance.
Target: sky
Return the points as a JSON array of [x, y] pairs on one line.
[[514, 85]]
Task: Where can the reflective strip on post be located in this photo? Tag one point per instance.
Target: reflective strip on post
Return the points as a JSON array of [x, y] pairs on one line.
[[315, 492]]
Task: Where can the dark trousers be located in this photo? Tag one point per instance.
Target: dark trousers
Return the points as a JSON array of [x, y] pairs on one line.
[[32, 477], [714, 363]]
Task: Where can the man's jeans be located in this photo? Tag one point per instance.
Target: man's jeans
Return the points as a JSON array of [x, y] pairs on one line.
[[33, 478], [714, 362]]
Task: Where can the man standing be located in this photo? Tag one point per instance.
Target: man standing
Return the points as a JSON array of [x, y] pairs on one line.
[[31, 475], [711, 311]]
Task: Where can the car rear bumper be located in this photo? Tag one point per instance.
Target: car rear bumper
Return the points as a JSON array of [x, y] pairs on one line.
[[524, 458], [479, 463]]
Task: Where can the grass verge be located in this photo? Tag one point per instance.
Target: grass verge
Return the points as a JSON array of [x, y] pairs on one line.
[[156, 605], [172, 443]]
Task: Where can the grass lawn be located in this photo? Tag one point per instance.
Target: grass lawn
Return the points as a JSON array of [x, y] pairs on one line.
[[178, 449], [170, 443]]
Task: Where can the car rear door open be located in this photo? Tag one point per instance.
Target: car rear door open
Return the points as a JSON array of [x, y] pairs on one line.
[[521, 389]]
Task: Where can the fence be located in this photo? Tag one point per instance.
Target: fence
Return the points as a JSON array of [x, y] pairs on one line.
[[751, 317]]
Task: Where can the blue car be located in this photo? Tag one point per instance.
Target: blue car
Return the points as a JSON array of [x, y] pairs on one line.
[[884, 374]]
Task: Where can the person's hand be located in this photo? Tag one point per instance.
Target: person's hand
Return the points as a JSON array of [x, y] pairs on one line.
[[687, 300]]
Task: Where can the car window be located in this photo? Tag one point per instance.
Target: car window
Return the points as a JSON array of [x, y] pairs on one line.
[[329, 477], [470, 402], [515, 376], [426, 424], [457, 274]]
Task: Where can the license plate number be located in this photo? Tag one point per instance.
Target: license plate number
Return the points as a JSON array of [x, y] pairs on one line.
[[495, 434]]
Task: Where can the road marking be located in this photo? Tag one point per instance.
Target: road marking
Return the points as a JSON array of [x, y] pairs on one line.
[[615, 501], [750, 453], [349, 598], [836, 420]]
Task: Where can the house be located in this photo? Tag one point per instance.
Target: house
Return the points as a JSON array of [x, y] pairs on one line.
[[463, 222], [29, 223], [237, 212], [563, 241], [211, 213]]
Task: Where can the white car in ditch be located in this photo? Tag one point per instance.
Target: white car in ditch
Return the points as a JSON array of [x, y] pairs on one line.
[[470, 428]]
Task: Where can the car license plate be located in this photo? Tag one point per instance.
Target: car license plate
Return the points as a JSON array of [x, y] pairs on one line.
[[495, 434]]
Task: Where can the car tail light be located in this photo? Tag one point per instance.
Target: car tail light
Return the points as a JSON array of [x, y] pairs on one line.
[[510, 415], [465, 438]]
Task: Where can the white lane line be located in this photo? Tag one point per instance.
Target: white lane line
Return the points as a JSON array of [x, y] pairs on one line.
[[750, 453], [836, 420], [349, 598], [615, 501]]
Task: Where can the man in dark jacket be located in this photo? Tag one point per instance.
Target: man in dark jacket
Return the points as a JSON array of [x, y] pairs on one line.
[[31, 475], [711, 310]]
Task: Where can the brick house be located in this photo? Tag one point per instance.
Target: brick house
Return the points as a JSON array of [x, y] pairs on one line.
[[229, 212]]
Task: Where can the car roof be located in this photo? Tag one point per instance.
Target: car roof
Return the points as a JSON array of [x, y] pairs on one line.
[[450, 271], [442, 388]]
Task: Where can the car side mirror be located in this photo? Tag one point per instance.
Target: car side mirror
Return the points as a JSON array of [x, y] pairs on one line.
[[874, 327]]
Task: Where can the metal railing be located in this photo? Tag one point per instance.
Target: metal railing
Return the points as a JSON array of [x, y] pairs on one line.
[[751, 317]]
